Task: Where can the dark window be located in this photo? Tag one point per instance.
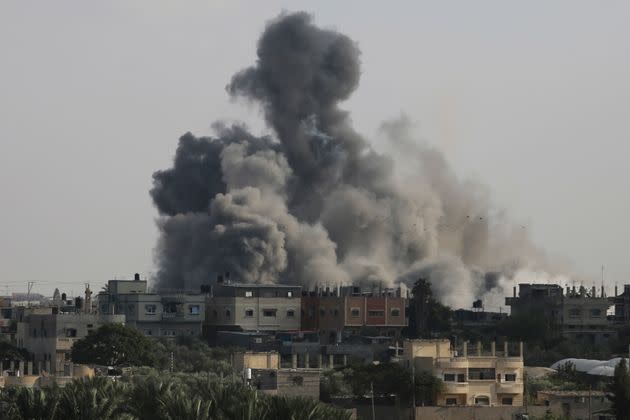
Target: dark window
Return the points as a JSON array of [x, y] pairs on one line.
[[297, 380], [150, 309], [595, 313], [507, 401], [482, 400], [395, 312], [71, 332], [354, 312], [481, 374], [322, 312], [451, 401], [376, 313], [461, 377], [290, 313], [336, 312], [510, 377], [249, 313], [574, 312], [227, 314], [193, 309], [269, 312], [449, 377]]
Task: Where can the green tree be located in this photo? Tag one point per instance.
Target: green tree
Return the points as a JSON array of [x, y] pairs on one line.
[[427, 315], [10, 352], [114, 345], [91, 398], [619, 392], [428, 387]]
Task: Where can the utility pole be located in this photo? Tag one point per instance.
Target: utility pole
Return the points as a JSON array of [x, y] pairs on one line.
[[413, 389], [172, 362], [28, 294], [372, 392]]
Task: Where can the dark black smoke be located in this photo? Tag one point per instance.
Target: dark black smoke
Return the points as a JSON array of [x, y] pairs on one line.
[[315, 204]]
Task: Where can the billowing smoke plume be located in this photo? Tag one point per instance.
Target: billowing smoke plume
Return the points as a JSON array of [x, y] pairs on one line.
[[315, 204]]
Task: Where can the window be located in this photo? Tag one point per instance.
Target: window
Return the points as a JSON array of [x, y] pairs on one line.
[[150, 309], [451, 401], [271, 313], [227, 314], [90, 325], [249, 313], [215, 313], [249, 293], [481, 374], [395, 312], [297, 380], [449, 377], [354, 312], [376, 313], [289, 294], [596, 313], [336, 312], [290, 313], [258, 340], [461, 377], [482, 400], [507, 401], [311, 312], [322, 311], [149, 332], [71, 332], [510, 377], [574, 312], [193, 309]]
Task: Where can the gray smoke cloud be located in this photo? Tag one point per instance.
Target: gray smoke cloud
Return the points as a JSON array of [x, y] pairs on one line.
[[315, 204]]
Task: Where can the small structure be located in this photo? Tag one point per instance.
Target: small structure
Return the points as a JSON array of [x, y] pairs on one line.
[[579, 405]]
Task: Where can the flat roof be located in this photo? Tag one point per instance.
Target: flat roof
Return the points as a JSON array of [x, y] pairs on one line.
[[249, 285]]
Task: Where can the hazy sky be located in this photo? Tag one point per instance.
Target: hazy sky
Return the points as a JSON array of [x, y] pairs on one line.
[[530, 98]]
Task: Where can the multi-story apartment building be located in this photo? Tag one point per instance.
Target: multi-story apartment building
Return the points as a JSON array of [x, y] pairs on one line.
[[347, 311], [48, 333], [471, 376], [163, 314], [252, 307], [577, 315]]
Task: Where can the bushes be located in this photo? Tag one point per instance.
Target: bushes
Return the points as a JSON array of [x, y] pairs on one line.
[[158, 397]]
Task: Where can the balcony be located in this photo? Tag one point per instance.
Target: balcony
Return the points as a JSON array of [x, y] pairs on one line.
[[455, 387], [452, 363], [65, 343], [510, 387], [509, 362]]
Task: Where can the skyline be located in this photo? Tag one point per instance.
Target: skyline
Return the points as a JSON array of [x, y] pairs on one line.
[[451, 115]]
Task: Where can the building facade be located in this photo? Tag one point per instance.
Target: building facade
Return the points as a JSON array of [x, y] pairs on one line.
[[347, 311], [48, 334], [252, 307], [472, 376], [577, 315], [157, 315]]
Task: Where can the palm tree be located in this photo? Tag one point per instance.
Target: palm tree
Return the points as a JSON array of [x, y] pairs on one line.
[[144, 399], [91, 398]]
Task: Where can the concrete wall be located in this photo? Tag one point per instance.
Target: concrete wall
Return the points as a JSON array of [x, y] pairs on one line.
[[255, 360], [299, 383], [287, 313]]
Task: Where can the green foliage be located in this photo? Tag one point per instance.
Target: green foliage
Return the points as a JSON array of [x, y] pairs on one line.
[[10, 352], [427, 388], [619, 391], [428, 317], [190, 354], [114, 345], [159, 397]]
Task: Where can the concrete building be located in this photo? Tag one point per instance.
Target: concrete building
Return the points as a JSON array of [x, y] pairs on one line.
[[578, 405], [252, 307], [263, 372], [348, 311], [577, 315], [157, 315], [48, 333], [472, 376]]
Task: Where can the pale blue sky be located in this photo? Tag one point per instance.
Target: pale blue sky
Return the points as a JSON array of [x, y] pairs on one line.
[[530, 98]]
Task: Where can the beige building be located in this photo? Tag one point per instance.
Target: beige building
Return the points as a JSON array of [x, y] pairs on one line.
[[49, 334], [261, 370], [253, 307], [472, 375]]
